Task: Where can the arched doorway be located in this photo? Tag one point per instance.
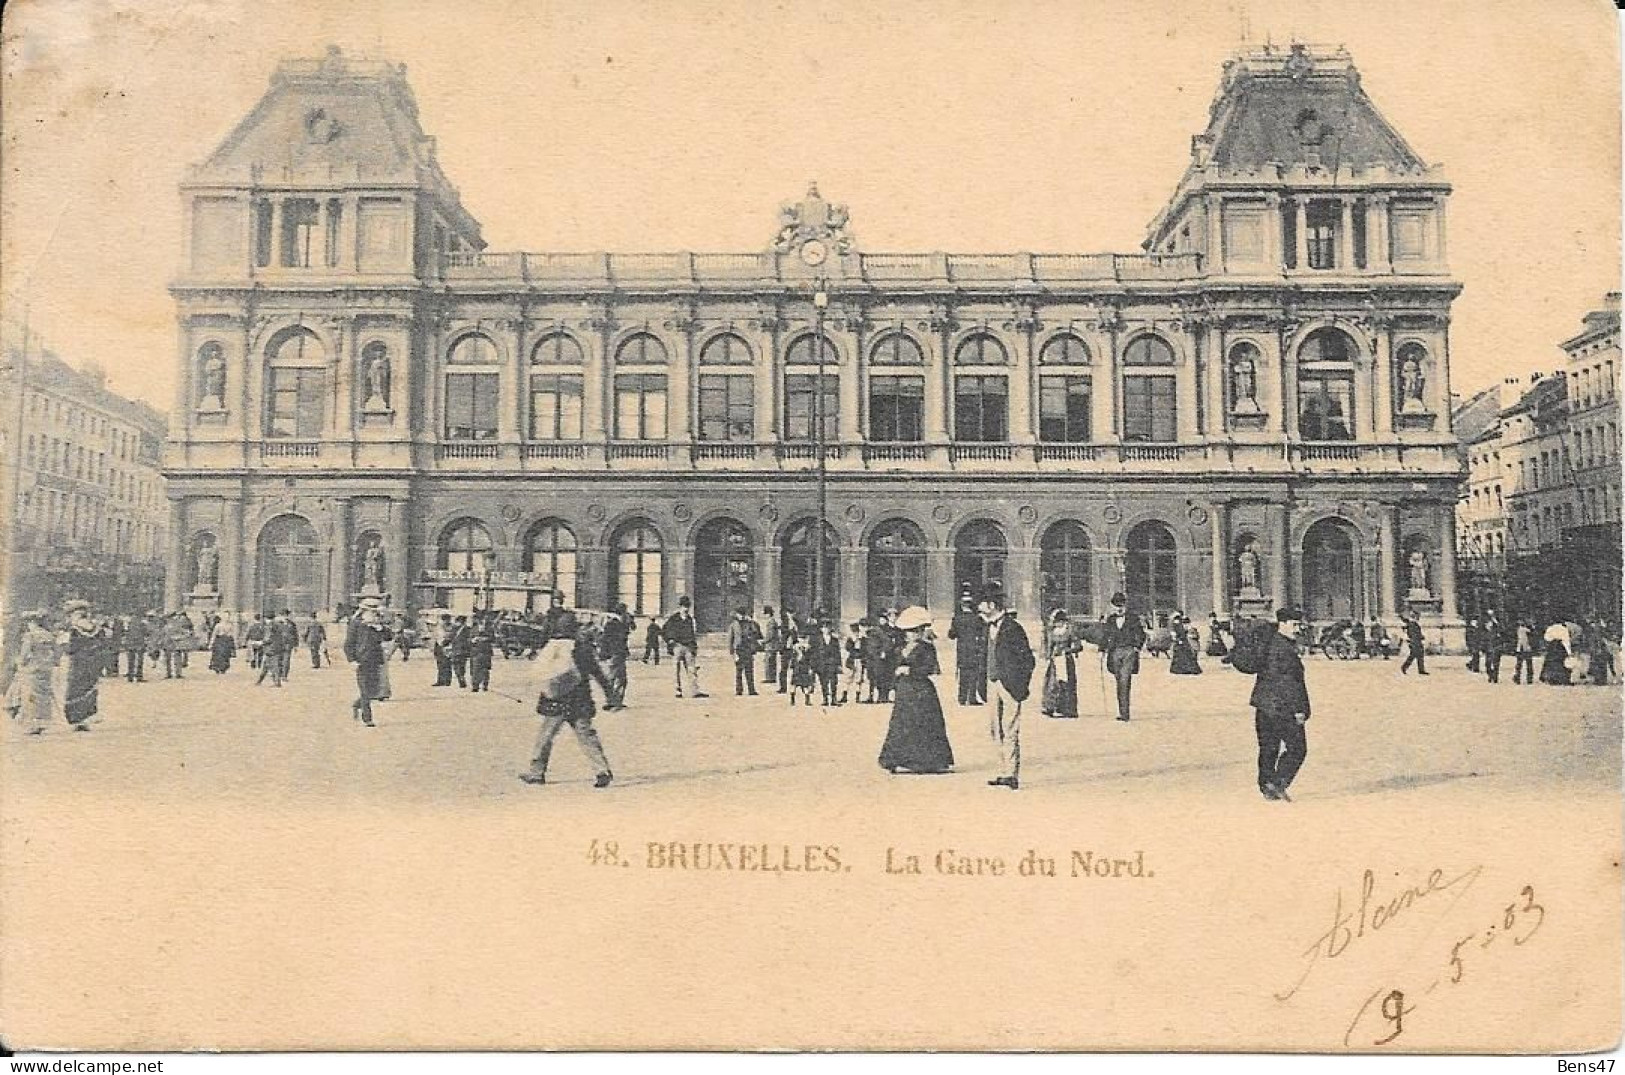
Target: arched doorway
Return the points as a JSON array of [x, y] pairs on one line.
[[639, 568], [1065, 570], [466, 549], [980, 552], [291, 566], [550, 551], [724, 573], [896, 565], [797, 564], [1151, 571], [1331, 588]]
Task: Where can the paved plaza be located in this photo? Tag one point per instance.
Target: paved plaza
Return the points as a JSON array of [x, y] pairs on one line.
[[1374, 733]]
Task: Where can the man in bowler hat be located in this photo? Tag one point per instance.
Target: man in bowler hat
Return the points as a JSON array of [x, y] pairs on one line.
[[1125, 634], [968, 631], [1010, 664], [1280, 702]]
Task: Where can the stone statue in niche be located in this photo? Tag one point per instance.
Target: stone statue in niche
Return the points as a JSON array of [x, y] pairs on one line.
[[1244, 386], [376, 371], [372, 568], [1412, 384], [208, 568], [213, 396], [1419, 572], [1247, 567]]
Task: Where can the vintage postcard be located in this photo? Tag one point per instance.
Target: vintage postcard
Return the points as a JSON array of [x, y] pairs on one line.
[[706, 525]]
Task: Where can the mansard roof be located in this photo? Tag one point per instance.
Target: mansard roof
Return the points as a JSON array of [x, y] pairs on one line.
[[1303, 106], [336, 121]]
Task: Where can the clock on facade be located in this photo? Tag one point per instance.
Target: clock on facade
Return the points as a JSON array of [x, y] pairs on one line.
[[814, 252]]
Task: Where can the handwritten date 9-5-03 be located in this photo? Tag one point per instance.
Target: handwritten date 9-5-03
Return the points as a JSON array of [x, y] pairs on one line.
[[1384, 1015]]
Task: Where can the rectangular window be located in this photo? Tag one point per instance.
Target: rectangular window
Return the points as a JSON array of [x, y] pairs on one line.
[[1322, 218], [1326, 406], [335, 215], [897, 409], [298, 233], [801, 406], [1289, 233], [1063, 409], [1361, 256], [471, 406], [555, 406], [1149, 409], [295, 400], [640, 406], [981, 409], [727, 407]]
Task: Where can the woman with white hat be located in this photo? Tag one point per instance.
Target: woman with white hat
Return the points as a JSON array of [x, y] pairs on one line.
[[917, 736]]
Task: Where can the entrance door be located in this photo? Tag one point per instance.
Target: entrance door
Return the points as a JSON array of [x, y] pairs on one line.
[[1328, 572], [797, 567], [979, 555], [896, 565], [1151, 572], [724, 574], [291, 567]]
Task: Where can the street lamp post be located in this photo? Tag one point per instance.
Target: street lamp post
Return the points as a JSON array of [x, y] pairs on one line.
[[820, 303]]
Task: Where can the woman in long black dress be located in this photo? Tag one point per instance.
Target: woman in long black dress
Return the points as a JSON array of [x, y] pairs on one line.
[[1554, 668], [1184, 661], [1215, 637], [86, 647], [1060, 668], [222, 646], [916, 737]]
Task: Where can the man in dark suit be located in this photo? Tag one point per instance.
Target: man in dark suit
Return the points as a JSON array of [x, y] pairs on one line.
[[1010, 664], [969, 633], [575, 709], [457, 650], [1415, 648], [442, 656], [683, 643], [1492, 643], [364, 648], [614, 649], [1125, 635], [1280, 702], [744, 639]]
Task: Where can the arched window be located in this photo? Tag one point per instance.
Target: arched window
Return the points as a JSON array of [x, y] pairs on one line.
[[1331, 582], [1064, 350], [981, 349], [639, 562], [726, 349], [897, 349], [296, 384], [641, 349], [1065, 400], [1151, 570], [1150, 407], [896, 565], [724, 573], [1065, 569], [980, 551], [557, 349], [727, 400], [465, 545], [473, 389], [1326, 386], [555, 395], [550, 550], [812, 408], [897, 399], [290, 566]]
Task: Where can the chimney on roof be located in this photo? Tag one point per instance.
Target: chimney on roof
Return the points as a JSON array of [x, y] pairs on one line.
[[1611, 302]]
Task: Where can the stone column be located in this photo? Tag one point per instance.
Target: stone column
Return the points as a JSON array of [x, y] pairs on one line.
[[349, 235], [1388, 536], [938, 380], [1106, 391], [1214, 262], [175, 562], [1287, 369], [849, 423], [1447, 562], [680, 394], [1021, 381], [1185, 389], [1218, 371], [1378, 255], [1280, 555], [1301, 208], [338, 582], [232, 556], [1274, 239], [278, 215], [854, 571], [1345, 234], [939, 580], [1383, 378], [594, 385], [1219, 518], [397, 552]]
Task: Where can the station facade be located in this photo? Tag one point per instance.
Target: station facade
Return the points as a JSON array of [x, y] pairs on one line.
[[1253, 410]]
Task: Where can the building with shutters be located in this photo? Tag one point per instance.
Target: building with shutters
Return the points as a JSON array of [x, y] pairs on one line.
[[1252, 410]]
